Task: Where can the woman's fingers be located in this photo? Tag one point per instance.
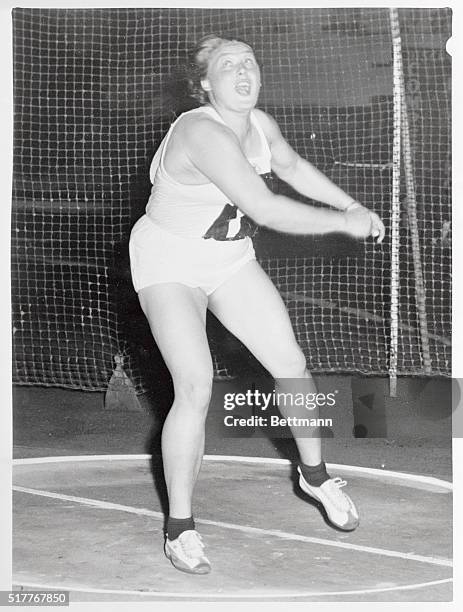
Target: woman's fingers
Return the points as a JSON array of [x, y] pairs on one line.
[[378, 229]]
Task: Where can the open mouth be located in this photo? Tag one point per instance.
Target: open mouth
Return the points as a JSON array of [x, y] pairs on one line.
[[243, 88]]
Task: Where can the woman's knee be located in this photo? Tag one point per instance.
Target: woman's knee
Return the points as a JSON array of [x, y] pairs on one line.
[[194, 390], [290, 364]]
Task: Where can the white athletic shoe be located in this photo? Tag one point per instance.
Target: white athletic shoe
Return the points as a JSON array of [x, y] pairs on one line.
[[339, 507], [187, 553]]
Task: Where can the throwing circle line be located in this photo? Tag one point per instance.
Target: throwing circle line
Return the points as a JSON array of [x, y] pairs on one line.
[[243, 528]]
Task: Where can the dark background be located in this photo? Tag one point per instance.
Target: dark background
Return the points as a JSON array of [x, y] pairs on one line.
[[96, 89]]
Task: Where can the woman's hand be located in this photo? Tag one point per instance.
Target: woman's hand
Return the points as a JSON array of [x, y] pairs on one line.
[[362, 223], [377, 227]]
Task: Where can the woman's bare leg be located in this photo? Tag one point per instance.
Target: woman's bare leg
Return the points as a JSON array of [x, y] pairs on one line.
[[177, 317], [249, 305]]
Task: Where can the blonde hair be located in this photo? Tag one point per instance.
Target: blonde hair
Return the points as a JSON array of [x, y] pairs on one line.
[[199, 63]]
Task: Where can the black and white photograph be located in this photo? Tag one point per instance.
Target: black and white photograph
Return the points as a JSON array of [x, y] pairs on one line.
[[231, 353]]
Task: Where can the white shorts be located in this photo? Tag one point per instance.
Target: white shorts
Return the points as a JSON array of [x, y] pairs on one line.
[[158, 256]]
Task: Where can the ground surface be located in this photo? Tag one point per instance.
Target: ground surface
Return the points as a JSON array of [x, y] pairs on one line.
[[104, 518]]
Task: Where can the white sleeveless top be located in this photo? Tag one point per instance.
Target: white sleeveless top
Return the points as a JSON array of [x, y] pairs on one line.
[[195, 211]]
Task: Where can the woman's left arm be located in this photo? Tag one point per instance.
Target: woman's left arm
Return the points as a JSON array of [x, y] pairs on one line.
[[305, 178]]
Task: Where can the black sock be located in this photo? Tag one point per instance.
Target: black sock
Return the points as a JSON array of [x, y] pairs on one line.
[[176, 526], [315, 475]]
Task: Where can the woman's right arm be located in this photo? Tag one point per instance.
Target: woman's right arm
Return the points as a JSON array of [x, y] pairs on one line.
[[215, 151]]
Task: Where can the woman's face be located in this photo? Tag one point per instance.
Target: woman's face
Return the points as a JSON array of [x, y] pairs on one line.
[[233, 76]]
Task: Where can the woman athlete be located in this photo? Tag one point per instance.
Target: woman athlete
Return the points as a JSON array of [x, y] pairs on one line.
[[192, 250]]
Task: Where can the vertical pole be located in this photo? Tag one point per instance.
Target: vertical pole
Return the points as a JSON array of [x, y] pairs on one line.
[[395, 212], [420, 292]]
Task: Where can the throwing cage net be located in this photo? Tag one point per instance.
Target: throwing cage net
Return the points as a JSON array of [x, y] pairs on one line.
[[364, 94]]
